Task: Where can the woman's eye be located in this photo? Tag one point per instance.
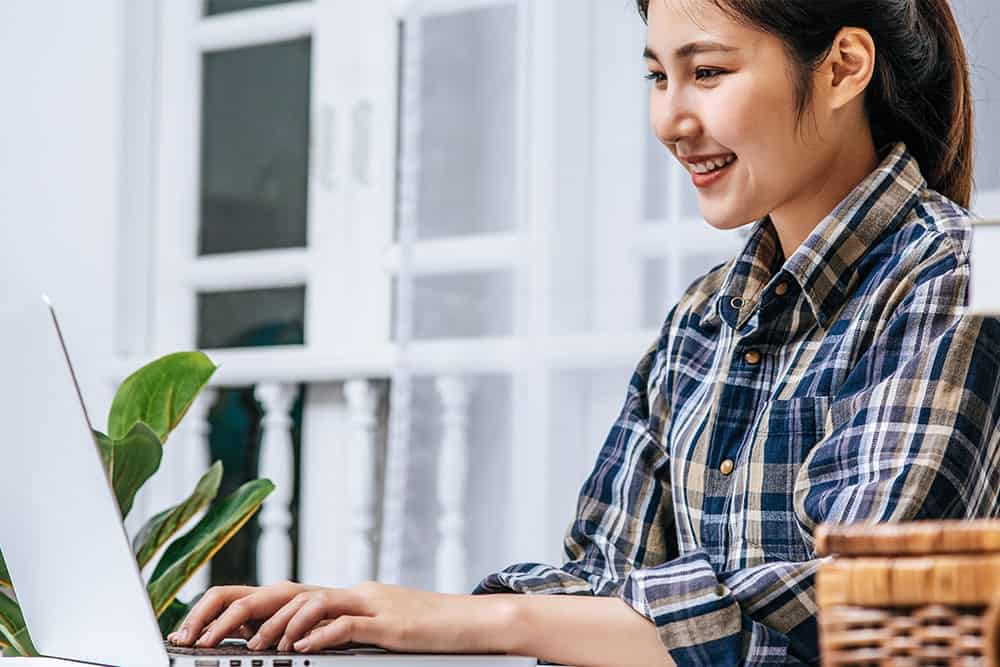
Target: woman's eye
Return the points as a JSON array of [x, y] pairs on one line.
[[699, 74]]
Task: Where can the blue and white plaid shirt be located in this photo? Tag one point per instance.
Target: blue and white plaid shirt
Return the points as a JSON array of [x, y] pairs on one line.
[[843, 384]]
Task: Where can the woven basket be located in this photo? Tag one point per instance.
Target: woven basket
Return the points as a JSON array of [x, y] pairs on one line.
[[918, 593]]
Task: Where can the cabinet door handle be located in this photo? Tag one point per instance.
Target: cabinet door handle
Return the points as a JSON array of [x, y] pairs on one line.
[[327, 157]]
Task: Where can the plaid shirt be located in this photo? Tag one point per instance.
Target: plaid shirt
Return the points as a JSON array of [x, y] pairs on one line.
[[843, 384]]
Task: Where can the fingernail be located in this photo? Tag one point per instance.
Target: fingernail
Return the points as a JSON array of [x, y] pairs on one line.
[[184, 634], [301, 645], [254, 642]]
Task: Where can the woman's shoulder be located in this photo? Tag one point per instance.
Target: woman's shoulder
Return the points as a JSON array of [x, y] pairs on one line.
[[942, 222], [921, 268], [931, 243]]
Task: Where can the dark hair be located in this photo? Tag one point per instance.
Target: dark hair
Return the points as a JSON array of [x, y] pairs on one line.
[[919, 93]]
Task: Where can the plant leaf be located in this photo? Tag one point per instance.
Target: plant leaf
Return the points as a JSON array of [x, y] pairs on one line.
[[165, 525], [172, 617], [189, 552], [130, 461], [13, 631], [159, 393], [4, 574]]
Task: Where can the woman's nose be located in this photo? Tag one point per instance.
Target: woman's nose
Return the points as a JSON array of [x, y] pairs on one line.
[[672, 120]]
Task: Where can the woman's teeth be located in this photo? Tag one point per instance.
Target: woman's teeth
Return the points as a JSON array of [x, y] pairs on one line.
[[712, 165]]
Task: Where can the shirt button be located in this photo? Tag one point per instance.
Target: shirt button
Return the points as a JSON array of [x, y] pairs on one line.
[[752, 357], [726, 467], [781, 289]]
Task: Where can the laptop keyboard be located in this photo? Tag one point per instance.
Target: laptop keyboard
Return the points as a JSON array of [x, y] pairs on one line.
[[239, 648]]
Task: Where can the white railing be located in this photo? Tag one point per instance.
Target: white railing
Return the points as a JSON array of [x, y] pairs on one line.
[[344, 506]]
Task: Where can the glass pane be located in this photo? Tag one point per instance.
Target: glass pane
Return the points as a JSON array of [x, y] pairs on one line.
[[255, 148], [657, 292], [488, 435], [656, 182], [468, 131], [251, 318], [689, 196], [980, 23], [695, 265], [213, 7], [588, 403], [656, 177], [464, 305], [660, 292], [234, 438]]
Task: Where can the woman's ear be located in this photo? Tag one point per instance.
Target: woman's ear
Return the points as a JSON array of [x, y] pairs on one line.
[[848, 67]]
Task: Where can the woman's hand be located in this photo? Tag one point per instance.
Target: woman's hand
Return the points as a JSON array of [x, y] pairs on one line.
[[391, 617], [209, 618]]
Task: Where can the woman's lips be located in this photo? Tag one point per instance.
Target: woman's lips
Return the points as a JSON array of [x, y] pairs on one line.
[[705, 180]]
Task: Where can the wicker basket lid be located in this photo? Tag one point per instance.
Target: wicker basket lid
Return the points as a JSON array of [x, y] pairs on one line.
[[971, 536]]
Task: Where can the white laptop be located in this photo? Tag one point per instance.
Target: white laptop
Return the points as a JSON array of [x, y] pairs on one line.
[[62, 537]]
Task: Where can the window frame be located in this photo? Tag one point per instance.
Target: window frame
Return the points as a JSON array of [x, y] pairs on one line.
[[351, 177]]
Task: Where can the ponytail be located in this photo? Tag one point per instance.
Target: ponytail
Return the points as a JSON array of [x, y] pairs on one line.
[[942, 124]]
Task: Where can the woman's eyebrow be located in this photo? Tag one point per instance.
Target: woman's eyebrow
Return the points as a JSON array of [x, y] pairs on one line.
[[691, 49]]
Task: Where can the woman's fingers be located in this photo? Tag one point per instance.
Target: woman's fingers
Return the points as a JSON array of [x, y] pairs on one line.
[[236, 614], [271, 630], [206, 610], [260, 604], [343, 630], [244, 632], [319, 605], [304, 619]]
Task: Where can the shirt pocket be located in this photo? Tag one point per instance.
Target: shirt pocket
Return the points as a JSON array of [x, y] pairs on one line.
[[788, 430], [796, 420]]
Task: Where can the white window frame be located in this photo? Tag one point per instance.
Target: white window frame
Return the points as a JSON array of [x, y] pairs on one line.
[[352, 144]]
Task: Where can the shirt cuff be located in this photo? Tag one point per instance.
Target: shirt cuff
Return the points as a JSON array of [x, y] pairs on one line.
[[534, 578], [698, 620]]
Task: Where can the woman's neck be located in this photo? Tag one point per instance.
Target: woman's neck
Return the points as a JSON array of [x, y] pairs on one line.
[[836, 176]]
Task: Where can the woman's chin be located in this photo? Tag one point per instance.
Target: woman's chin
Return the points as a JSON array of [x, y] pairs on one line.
[[725, 221]]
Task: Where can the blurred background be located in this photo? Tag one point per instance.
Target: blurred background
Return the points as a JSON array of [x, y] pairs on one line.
[[426, 241]]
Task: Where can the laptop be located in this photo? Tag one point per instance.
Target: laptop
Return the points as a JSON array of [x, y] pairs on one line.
[[62, 536]]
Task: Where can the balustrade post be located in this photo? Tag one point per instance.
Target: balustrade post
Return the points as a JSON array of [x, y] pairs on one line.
[[452, 477], [277, 461], [362, 398]]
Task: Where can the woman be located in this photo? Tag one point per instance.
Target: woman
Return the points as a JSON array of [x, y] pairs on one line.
[[827, 373]]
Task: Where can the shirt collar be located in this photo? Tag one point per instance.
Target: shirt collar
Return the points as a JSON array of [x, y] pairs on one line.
[[824, 266]]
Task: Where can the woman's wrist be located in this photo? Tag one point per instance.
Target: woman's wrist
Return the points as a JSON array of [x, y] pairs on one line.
[[497, 621], [573, 629]]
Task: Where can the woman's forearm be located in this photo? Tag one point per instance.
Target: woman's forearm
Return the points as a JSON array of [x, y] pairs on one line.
[[583, 631]]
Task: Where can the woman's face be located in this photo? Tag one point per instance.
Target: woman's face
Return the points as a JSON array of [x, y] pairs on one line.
[[740, 101]]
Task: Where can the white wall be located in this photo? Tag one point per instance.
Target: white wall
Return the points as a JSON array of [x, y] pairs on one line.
[[60, 64]]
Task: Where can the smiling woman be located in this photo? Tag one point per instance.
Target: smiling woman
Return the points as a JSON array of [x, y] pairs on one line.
[[827, 373]]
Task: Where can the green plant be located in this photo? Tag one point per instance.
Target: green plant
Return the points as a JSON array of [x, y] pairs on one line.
[[146, 408]]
